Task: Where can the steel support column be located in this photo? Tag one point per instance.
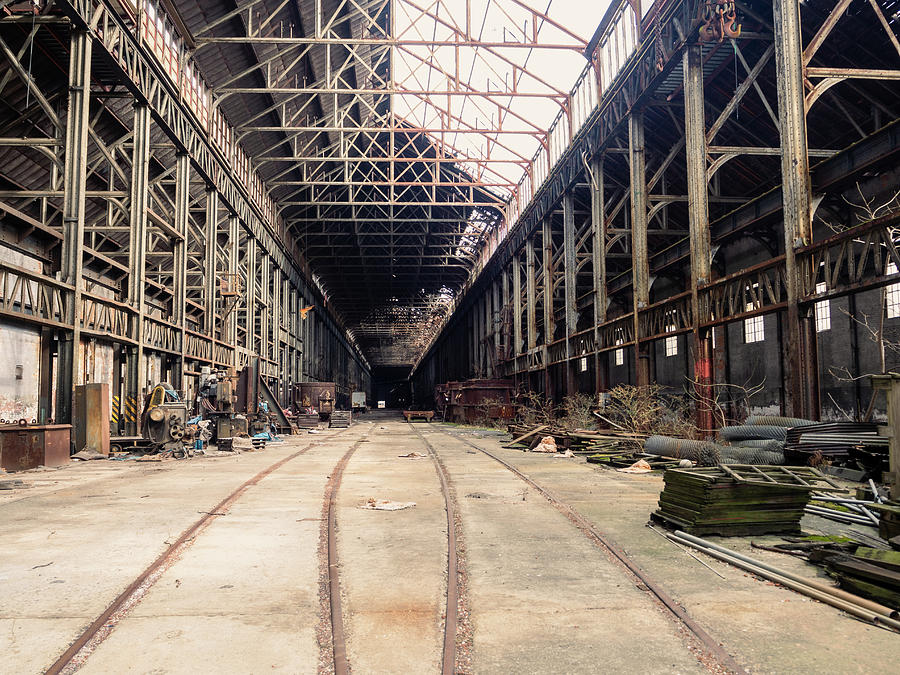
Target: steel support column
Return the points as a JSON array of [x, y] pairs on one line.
[[74, 188], [639, 218], [209, 271], [698, 218], [179, 258], [495, 327], [801, 376], [549, 327], [570, 276], [503, 328], [250, 311], [530, 293], [265, 309], [234, 244], [275, 318], [516, 307], [137, 252], [598, 263]]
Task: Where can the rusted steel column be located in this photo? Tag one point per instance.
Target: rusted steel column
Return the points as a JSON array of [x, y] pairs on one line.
[[275, 322], [530, 293], [516, 306], [265, 310], [74, 187], [698, 218], [137, 252], [211, 233], [477, 332], [496, 325], [549, 327], [796, 196], [252, 254], [640, 261], [503, 328], [179, 258], [598, 263], [234, 243], [570, 277]]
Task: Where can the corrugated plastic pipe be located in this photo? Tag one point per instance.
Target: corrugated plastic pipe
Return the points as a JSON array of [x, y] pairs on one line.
[[751, 431], [778, 421], [861, 607]]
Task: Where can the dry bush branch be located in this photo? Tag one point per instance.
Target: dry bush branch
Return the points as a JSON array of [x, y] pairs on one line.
[[577, 412], [535, 409], [649, 410], [724, 398]]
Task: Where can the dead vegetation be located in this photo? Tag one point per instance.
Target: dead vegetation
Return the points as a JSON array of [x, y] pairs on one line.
[[650, 410], [628, 408]]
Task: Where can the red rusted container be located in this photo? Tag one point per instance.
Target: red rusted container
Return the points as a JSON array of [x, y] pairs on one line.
[[474, 400], [31, 446]]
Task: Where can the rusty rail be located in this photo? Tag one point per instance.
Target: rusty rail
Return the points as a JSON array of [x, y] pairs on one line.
[[329, 525], [451, 621], [127, 599], [712, 647]]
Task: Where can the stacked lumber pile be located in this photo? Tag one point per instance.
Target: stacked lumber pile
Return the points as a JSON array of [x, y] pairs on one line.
[[737, 500]]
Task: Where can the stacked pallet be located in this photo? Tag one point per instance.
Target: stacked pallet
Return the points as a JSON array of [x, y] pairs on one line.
[[340, 419], [305, 421], [737, 500]]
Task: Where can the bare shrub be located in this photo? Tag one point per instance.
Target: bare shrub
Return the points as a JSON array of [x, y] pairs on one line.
[[535, 409], [649, 410], [577, 412]]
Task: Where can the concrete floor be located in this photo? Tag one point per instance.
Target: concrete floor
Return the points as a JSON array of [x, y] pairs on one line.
[[243, 597]]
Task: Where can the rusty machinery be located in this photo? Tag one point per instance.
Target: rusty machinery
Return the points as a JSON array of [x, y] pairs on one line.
[[164, 419], [218, 401]]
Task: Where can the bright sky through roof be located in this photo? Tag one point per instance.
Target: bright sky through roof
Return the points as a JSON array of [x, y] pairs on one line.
[[490, 69]]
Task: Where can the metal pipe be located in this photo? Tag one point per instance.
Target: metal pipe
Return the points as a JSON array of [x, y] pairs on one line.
[[836, 597], [839, 516], [875, 492], [839, 500], [857, 505], [861, 510]]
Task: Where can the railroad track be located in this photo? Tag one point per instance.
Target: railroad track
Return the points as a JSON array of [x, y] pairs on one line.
[[80, 650], [675, 612], [330, 561], [450, 659], [328, 557]]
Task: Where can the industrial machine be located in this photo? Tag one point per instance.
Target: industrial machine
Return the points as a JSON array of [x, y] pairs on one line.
[[358, 401], [164, 419], [320, 396], [216, 399]]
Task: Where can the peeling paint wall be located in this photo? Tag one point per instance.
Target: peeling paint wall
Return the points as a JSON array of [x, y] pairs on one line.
[[97, 360], [153, 372], [19, 346]]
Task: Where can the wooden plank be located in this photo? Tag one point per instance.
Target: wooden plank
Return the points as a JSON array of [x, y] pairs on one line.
[[888, 559], [528, 435]]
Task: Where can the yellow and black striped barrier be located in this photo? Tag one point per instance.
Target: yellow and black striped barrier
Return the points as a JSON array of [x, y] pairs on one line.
[[116, 406], [131, 409]]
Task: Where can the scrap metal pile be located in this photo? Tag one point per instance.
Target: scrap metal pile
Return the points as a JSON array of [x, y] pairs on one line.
[[773, 440]]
